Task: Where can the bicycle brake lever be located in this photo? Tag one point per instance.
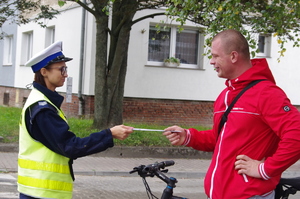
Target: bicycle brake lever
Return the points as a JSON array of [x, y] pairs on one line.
[[165, 170]]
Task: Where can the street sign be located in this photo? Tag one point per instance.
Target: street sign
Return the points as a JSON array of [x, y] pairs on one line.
[[69, 90]]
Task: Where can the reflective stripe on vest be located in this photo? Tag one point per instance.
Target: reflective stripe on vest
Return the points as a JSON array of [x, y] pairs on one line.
[[46, 184], [57, 168]]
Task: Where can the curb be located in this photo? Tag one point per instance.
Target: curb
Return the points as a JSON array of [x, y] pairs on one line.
[[9, 147], [135, 152], [154, 152]]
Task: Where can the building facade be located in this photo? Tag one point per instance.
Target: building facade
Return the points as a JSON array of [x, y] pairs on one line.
[[154, 93]]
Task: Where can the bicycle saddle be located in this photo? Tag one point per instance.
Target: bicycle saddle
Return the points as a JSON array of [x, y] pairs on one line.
[[294, 182]]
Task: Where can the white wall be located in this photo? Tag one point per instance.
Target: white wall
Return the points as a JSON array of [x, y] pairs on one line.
[[287, 71], [67, 30], [148, 81], [177, 83]]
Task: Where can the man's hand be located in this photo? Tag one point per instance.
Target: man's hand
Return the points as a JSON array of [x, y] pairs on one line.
[[175, 138], [248, 166]]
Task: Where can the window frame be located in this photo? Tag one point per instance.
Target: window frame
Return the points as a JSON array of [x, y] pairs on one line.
[[27, 46], [173, 32], [8, 53], [50, 36], [266, 45]]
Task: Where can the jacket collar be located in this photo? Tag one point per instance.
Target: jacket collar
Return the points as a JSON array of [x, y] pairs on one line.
[[259, 70], [53, 96]]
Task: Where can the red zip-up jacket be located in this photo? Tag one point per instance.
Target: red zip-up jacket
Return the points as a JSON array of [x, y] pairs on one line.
[[262, 124]]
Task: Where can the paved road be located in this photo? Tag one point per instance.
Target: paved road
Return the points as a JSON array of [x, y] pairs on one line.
[[112, 187], [8, 186], [108, 177]]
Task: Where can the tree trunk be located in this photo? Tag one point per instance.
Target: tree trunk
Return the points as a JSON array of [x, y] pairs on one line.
[[101, 105], [119, 68], [110, 75]]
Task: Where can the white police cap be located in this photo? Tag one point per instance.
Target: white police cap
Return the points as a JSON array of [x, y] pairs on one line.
[[52, 54]]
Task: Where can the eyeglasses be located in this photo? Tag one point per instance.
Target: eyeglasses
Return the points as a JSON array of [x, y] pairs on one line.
[[63, 70]]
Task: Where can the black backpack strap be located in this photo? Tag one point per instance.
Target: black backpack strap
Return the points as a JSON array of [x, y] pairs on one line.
[[224, 116]]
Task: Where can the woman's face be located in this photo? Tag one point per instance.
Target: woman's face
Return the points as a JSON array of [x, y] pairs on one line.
[[55, 75]]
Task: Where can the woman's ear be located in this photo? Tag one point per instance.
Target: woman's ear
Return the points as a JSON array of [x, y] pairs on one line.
[[44, 72]]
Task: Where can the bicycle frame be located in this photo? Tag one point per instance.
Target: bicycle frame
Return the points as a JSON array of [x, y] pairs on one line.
[[291, 185]]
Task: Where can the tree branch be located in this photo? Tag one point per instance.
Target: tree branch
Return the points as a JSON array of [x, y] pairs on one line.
[[148, 16], [85, 6]]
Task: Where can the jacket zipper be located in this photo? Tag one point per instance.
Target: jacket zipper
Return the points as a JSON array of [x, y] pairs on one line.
[[219, 151]]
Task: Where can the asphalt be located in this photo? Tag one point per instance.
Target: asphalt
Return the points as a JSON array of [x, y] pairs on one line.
[[118, 161]]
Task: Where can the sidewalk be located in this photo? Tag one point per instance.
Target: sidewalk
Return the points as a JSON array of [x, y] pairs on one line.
[[111, 166], [120, 166]]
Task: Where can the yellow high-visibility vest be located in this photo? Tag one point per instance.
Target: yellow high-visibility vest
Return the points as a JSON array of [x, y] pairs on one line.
[[42, 173]]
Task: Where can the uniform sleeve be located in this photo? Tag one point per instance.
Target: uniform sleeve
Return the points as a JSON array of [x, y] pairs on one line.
[[284, 120], [51, 130]]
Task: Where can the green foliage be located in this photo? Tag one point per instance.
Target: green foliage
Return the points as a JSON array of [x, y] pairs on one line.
[[277, 17], [61, 3], [172, 60], [20, 12], [9, 120]]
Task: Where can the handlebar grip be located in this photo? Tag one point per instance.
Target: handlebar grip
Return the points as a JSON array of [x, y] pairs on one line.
[[158, 166], [169, 163]]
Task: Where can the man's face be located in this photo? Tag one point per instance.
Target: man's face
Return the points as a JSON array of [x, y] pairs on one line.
[[221, 60]]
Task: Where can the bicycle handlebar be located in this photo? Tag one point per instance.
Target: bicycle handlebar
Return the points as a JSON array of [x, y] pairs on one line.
[[152, 168], [161, 165]]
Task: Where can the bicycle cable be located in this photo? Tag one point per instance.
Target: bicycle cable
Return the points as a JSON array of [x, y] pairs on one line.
[[148, 190]]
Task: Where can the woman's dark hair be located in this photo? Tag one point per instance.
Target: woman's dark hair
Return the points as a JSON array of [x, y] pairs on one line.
[[39, 78]]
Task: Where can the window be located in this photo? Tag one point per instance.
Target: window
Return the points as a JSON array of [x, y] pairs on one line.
[[171, 43], [27, 42], [264, 45], [50, 36], [8, 46]]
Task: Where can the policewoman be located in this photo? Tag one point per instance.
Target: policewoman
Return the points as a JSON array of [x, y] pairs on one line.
[[46, 146]]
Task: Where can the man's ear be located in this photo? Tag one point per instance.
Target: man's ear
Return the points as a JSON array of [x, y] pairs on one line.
[[234, 56]]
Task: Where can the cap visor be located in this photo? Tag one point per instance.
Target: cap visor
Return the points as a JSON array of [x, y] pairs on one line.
[[65, 59]]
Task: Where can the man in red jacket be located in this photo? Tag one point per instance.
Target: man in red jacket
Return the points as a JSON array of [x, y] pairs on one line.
[[261, 137]]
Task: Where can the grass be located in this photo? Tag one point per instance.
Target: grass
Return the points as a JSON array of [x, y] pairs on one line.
[[9, 123], [9, 130]]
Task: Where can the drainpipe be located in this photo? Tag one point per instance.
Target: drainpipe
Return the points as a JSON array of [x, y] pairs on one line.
[[80, 97]]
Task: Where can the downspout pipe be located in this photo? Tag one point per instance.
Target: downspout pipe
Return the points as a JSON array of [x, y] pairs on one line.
[[82, 46]]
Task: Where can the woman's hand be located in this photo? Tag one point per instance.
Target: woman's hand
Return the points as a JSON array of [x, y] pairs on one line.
[[121, 132]]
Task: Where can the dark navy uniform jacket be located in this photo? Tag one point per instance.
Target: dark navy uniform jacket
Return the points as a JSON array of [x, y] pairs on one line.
[[46, 126]]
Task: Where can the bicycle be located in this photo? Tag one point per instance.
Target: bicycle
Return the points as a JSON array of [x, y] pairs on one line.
[[286, 187], [157, 169]]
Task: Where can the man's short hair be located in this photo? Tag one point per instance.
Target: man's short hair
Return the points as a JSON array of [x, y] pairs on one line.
[[233, 40]]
